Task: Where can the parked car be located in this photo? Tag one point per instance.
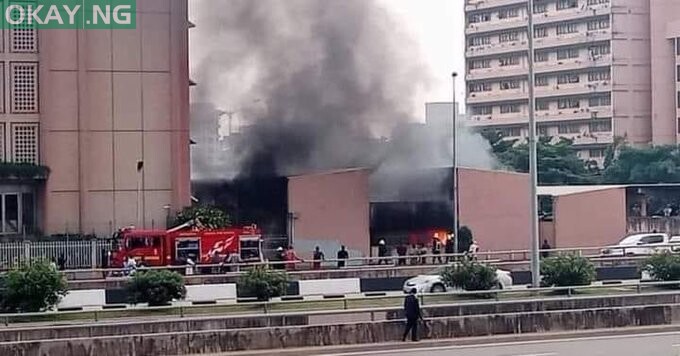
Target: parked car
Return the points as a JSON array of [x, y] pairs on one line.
[[432, 282], [643, 245]]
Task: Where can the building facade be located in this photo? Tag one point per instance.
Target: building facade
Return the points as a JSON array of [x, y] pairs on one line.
[[592, 70], [108, 112]]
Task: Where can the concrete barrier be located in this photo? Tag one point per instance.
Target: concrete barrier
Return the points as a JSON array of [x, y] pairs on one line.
[[216, 341], [330, 286], [83, 299], [211, 292]]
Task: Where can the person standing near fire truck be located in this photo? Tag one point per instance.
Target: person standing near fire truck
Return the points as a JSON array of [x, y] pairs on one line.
[[292, 258]]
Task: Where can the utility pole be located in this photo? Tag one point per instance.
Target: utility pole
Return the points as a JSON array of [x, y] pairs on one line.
[[454, 132], [533, 157]]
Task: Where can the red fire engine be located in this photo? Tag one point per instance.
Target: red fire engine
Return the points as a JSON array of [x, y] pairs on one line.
[[175, 246]]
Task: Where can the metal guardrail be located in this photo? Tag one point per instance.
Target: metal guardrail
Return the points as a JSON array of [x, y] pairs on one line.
[[271, 307]]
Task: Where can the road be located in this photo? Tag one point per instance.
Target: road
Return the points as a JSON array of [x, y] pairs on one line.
[[659, 344]]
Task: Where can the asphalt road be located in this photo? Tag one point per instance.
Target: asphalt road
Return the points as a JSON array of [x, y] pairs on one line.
[[661, 344]]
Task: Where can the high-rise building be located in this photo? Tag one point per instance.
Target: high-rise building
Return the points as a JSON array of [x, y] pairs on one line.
[[107, 110], [592, 70]]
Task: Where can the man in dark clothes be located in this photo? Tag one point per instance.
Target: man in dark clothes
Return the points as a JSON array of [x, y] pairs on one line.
[[450, 248], [412, 314], [342, 256], [61, 262]]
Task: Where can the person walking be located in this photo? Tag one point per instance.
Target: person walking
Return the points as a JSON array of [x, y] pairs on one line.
[[292, 258], [318, 257], [61, 262], [436, 251], [545, 249], [343, 255], [278, 259], [412, 314], [473, 251], [450, 248], [401, 252], [382, 252]]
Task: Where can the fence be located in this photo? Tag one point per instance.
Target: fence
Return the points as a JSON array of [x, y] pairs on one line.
[[78, 254]]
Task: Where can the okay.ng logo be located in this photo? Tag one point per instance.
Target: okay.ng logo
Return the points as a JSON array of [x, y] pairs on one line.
[[70, 14]]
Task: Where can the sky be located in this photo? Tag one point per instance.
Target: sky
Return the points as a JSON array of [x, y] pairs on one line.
[[437, 25]]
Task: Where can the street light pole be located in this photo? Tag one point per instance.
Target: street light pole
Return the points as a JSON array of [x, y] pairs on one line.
[[454, 132], [533, 156]]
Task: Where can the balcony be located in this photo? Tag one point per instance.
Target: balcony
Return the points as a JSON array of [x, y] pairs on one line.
[[497, 72], [572, 64], [573, 89], [572, 14], [583, 113], [496, 25], [473, 5], [497, 95], [497, 48], [593, 139], [584, 37], [498, 119]]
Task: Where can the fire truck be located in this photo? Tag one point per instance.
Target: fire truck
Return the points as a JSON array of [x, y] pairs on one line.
[[176, 246]]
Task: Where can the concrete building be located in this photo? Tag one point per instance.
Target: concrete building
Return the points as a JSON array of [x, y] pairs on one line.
[[107, 112], [592, 63]]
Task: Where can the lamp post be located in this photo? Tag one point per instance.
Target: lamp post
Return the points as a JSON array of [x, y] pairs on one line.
[[533, 158], [454, 162]]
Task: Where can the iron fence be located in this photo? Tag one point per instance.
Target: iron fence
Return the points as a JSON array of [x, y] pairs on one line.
[[78, 254]]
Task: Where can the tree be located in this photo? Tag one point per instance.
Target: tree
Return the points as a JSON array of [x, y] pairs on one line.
[[470, 276], [209, 216], [263, 283], [156, 287], [33, 287], [663, 267], [566, 271], [657, 164]]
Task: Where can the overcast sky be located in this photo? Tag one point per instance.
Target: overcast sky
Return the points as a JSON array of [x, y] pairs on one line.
[[437, 25]]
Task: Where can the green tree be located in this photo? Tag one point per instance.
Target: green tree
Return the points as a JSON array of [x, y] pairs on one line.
[[156, 287], [263, 283], [33, 287], [657, 164], [209, 216], [663, 267], [566, 271], [470, 276]]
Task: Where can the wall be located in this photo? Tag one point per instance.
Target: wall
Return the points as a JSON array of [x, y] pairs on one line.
[[332, 209], [110, 98], [590, 219], [495, 206]]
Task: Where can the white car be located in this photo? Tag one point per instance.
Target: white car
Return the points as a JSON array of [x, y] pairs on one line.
[[432, 282], [643, 245]]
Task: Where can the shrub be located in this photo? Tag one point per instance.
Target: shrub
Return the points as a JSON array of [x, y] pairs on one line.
[[33, 287], [156, 287], [263, 283], [209, 216], [470, 276], [567, 270], [663, 267]]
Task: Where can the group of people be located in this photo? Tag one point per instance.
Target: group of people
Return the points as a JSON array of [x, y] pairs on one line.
[[416, 254], [287, 258]]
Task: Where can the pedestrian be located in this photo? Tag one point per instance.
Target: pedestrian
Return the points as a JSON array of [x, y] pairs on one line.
[[545, 249], [53, 263], [61, 262], [667, 211], [450, 247], [412, 314], [318, 257], [343, 255], [473, 251], [401, 252], [129, 266], [422, 252], [413, 252], [382, 252], [233, 261], [436, 251], [278, 259], [292, 258]]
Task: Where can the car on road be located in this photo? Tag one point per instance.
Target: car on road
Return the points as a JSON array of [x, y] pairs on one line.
[[643, 245], [432, 282]]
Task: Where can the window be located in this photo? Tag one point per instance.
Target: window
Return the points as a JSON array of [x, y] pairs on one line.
[[542, 105], [566, 4], [540, 32], [543, 131], [477, 87], [22, 38], [2, 142], [570, 78], [569, 128], [600, 126], [478, 41], [570, 103], [540, 8], [509, 61], [600, 50], [596, 153], [514, 131], [479, 64], [679, 100], [25, 143], [508, 36], [566, 28], [482, 110], [508, 13], [597, 2], [677, 46], [541, 81], [599, 75], [541, 56], [653, 239], [483, 17], [509, 84], [24, 87], [678, 74], [510, 108], [600, 100], [567, 53], [598, 24]]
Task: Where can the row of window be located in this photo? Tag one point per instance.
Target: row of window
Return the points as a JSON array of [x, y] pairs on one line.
[[22, 139], [594, 126], [539, 8], [22, 87], [543, 80], [544, 105], [594, 52]]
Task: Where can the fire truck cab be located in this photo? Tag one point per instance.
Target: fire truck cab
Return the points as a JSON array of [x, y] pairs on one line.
[[177, 246]]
